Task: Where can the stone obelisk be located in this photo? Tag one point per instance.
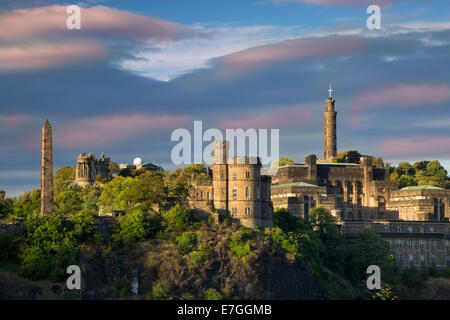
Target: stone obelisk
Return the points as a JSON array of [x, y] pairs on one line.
[[47, 170]]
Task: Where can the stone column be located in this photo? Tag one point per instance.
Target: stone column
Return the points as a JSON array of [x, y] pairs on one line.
[[47, 170]]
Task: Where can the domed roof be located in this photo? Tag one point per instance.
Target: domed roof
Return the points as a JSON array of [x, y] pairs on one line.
[[137, 161]]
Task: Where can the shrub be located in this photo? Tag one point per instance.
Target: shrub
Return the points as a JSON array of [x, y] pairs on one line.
[[6, 244], [139, 225], [240, 250], [160, 291], [186, 242], [179, 217], [212, 294]]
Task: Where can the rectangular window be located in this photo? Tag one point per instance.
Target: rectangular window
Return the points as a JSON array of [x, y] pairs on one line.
[[433, 259], [386, 229], [410, 229], [207, 195], [431, 229], [399, 243], [201, 195], [410, 243], [411, 258], [247, 192], [421, 229], [422, 258], [398, 229], [421, 244], [234, 193]]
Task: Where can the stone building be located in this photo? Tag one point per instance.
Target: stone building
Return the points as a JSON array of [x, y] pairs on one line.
[[88, 168], [415, 220], [236, 189], [137, 164]]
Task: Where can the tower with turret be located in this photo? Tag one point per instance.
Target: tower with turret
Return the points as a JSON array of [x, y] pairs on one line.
[[329, 129]]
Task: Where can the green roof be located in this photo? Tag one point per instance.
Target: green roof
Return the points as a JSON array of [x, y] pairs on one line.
[[295, 184], [421, 188]]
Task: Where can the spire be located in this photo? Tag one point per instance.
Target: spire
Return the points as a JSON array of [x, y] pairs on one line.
[[330, 91], [47, 124]]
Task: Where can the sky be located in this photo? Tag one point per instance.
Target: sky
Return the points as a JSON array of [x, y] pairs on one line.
[[138, 70]]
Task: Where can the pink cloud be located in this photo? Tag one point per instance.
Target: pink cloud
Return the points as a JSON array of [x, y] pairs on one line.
[[102, 130], [286, 117], [32, 22], [381, 3], [13, 120], [416, 145], [44, 56], [297, 49], [402, 95]]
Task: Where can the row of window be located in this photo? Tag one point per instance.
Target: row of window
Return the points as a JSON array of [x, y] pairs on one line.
[[247, 192], [410, 243], [247, 175], [234, 211], [421, 258], [410, 229]]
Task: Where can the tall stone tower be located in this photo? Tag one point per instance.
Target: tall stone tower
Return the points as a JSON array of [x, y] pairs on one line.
[[47, 170], [329, 129], [220, 176]]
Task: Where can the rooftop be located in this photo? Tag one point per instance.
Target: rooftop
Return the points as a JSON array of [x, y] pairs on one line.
[[427, 187], [295, 184]]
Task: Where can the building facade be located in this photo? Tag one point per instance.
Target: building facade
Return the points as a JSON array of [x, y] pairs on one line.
[[89, 167], [236, 189], [415, 220]]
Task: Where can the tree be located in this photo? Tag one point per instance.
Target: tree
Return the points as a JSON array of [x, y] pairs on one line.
[[286, 221], [283, 161], [434, 175], [147, 189], [28, 203], [348, 157], [114, 168], [117, 194], [179, 217], [405, 168], [405, 181], [333, 240], [68, 202], [138, 225], [370, 249], [64, 178], [378, 162]]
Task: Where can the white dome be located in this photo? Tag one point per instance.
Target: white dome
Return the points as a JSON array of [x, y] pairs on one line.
[[137, 161]]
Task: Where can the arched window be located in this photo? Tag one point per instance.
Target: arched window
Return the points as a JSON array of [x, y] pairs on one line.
[[247, 192]]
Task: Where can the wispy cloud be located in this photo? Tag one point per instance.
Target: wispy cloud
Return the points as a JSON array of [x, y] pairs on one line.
[[21, 24], [402, 95], [416, 146], [298, 49], [103, 130], [277, 118], [51, 55]]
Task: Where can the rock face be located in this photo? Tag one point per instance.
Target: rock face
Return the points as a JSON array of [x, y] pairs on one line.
[[267, 273], [47, 170]]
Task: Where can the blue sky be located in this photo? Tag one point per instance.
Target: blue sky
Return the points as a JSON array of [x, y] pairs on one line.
[[137, 70]]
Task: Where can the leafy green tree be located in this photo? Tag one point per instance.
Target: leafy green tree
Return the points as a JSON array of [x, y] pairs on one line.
[[348, 156], [68, 202], [63, 180], [179, 217], [138, 225], [405, 181], [370, 249], [378, 162], [84, 225], [283, 161], [117, 194], [148, 189], [332, 238], [434, 175], [28, 203], [6, 205], [286, 221], [114, 168], [405, 168], [186, 242]]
